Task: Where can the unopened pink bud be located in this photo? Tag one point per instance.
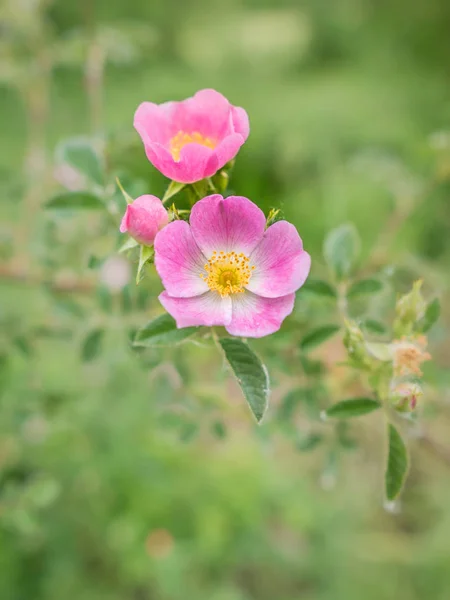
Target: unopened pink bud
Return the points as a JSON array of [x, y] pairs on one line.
[[144, 218]]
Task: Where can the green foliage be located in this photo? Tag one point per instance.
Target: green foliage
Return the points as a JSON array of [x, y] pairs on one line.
[[397, 463], [75, 201], [341, 250], [145, 255], [318, 336], [80, 155], [162, 331], [319, 288], [92, 343], [364, 287], [432, 314], [354, 407], [250, 373], [173, 189]]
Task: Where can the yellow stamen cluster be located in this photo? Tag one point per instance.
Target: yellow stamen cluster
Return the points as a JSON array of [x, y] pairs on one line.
[[409, 354], [227, 272], [179, 141]]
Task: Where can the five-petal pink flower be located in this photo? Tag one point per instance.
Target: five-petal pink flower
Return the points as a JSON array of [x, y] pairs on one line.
[[143, 218], [191, 140], [225, 267]]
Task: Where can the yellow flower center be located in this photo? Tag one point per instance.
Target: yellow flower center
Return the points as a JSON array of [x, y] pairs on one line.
[[227, 272], [179, 141]]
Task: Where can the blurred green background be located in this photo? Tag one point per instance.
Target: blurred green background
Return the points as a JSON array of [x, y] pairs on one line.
[[140, 476]]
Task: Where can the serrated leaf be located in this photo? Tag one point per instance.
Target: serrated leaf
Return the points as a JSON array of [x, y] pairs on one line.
[[397, 464], [354, 407], [92, 344], [319, 288], [317, 336], [162, 331], [250, 373], [341, 249], [172, 190], [145, 254], [364, 287], [75, 201], [432, 314], [80, 155]]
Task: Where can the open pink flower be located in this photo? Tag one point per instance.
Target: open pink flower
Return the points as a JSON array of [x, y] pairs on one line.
[[190, 140], [144, 218], [225, 268]]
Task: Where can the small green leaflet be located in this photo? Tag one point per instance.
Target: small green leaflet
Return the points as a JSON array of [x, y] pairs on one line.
[[172, 190], [145, 255], [162, 331], [341, 249], [432, 314], [355, 407], [397, 464], [364, 287], [319, 288], [250, 373], [317, 336], [80, 155], [75, 201], [92, 345]]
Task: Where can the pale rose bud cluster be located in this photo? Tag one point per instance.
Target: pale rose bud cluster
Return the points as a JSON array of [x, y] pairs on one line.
[[223, 267]]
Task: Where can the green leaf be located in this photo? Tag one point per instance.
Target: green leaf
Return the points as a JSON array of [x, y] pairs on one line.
[[250, 373], [128, 245], [317, 336], [126, 195], [341, 249], [80, 155], [92, 345], [355, 407], [432, 314], [397, 464], [146, 253], [375, 327], [320, 288], [364, 287], [75, 201], [219, 430], [172, 190], [308, 442], [380, 350], [162, 331]]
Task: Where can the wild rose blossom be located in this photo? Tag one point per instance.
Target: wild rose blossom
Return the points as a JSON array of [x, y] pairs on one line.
[[190, 140], [226, 268], [144, 218]]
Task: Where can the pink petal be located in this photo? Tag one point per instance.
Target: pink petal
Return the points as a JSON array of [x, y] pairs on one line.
[[255, 316], [227, 150], [230, 224], [208, 309], [240, 121], [195, 161], [179, 261], [153, 122], [281, 264], [207, 112]]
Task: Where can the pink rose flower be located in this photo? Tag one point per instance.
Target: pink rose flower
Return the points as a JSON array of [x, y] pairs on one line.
[[190, 140], [226, 268], [144, 218]]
